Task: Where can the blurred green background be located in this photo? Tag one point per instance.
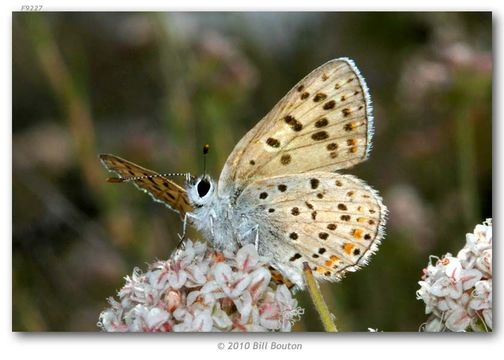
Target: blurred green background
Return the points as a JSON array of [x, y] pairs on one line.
[[154, 87]]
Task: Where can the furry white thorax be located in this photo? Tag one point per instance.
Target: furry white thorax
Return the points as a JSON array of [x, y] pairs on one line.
[[216, 219]]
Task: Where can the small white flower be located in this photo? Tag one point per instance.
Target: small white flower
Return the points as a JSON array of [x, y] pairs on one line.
[[247, 258], [482, 295], [434, 325], [447, 287], [484, 262], [244, 306], [444, 304], [466, 258], [240, 285], [112, 319], [260, 280], [177, 278], [469, 278], [458, 320], [142, 318], [452, 267], [457, 291], [196, 275], [221, 319], [203, 321], [270, 316], [156, 317]]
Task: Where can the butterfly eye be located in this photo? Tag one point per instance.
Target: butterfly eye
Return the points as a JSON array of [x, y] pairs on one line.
[[203, 187]]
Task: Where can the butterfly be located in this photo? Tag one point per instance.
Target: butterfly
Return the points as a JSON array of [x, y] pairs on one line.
[[279, 188]]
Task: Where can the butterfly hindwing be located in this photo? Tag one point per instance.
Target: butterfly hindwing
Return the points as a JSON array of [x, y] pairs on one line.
[[324, 123], [334, 222], [159, 187]]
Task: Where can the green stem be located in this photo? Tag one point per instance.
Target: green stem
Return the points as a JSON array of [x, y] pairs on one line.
[[318, 300]]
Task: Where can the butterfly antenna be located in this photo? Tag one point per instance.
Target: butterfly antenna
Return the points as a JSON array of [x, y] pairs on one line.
[[116, 180], [206, 149]]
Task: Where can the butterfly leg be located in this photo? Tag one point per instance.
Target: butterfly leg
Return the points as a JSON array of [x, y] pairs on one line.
[[256, 228], [212, 225], [241, 240], [184, 229]]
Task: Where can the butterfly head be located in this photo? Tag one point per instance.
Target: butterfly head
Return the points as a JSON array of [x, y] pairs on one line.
[[201, 190]]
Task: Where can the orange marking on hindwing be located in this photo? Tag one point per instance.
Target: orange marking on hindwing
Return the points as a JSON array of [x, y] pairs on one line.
[[357, 233], [347, 247]]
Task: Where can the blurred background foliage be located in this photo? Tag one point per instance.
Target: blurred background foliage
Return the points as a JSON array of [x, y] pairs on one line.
[[154, 87]]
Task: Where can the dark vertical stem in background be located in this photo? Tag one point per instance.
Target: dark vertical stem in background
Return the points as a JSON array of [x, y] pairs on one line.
[[467, 166], [470, 94]]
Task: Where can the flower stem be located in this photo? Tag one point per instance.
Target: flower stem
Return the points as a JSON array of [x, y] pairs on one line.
[[318, 300]]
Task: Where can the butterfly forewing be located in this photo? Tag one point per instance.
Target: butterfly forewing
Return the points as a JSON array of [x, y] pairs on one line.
[[334, 222], [323, 123], [159, 187]]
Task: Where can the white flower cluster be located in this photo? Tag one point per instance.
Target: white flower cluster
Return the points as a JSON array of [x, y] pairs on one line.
[[201, 289], [457, 291]]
